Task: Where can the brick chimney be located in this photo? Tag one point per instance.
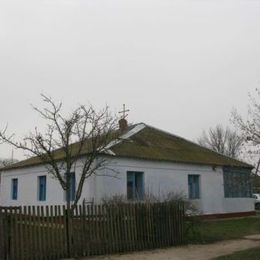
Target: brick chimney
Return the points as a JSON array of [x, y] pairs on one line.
[[122, 122], [122, 125]]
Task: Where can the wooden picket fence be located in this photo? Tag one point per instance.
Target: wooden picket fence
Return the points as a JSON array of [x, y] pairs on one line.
[[39, 232]]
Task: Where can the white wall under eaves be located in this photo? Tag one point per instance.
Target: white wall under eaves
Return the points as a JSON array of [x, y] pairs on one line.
[[160, 178]]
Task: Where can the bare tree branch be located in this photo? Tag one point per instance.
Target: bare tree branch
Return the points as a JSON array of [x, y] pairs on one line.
[[250, 126], [222, 140], [84, 133]]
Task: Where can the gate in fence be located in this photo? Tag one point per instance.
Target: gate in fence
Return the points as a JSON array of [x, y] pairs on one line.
[[39, 232]]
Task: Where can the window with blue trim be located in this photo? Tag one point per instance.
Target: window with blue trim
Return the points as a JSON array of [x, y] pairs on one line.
[[135, 185], [237, 182], [72, 186], [194, 186], [42, 188], [14, 188]]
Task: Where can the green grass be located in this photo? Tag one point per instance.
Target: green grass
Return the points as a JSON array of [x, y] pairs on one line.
[[215, 230], [249, 254]]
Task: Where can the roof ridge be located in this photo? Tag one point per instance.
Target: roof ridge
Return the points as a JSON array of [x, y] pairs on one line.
[[195, 153], [134, 130]]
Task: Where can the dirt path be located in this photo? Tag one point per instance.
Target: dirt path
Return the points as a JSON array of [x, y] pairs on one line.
[[200, 252]]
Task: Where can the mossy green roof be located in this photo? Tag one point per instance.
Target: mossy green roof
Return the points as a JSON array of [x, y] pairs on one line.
[[59, 154], [153, 144]]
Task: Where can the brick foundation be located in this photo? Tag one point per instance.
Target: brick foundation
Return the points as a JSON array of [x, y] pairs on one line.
[[229, 215]]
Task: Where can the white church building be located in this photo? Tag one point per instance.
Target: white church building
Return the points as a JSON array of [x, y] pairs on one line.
[[146, 160]]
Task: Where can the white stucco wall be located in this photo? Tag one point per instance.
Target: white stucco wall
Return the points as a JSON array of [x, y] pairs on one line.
[[160, 178], [28, 187]]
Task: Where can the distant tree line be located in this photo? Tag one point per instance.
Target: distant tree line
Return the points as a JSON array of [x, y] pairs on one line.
[[222, 140], [242, 143]]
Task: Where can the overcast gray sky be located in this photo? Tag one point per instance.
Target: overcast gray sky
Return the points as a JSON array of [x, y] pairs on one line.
[[178, 65]]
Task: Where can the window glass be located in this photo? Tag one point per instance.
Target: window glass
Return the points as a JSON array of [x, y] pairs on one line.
[[72, 186], [194, 186], [14, 188], [42, 188], [237, 183], [135, 185], [72, 183]]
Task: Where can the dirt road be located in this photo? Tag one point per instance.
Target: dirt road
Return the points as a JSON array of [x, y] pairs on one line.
[[200, 252]]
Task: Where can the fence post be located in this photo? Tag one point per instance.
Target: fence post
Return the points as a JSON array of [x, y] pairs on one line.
[[2, 235], [8, 232], [67, 226]]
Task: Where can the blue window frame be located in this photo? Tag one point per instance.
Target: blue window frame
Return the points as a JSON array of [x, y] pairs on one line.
[[135, 185], [72, 186], [194, 186], [14, 188], [42, 188], [237, 182]]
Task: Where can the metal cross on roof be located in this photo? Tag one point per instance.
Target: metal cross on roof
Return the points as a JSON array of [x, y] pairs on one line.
[[124, 112]]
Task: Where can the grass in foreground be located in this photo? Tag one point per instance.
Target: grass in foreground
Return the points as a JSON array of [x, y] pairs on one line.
[[215, 230], [249, 254]]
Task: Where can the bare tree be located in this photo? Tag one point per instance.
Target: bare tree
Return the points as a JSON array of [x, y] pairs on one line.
[[222, 140], [71, 141], [250, 127]]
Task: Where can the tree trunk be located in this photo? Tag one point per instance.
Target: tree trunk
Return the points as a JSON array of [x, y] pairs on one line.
[[68, 216]]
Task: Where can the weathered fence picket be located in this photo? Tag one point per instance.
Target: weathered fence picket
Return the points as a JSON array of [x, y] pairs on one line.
[[38, 232]]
